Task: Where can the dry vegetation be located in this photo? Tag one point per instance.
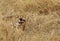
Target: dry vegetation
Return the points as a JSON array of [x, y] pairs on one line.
[[42, 20]]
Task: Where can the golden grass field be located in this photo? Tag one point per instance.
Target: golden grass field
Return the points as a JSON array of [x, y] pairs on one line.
[[42, 20]]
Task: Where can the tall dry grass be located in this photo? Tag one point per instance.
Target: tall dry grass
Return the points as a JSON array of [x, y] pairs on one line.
[[42, 20]]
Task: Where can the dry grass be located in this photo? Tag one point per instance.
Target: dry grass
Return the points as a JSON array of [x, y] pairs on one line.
[[42, 20]]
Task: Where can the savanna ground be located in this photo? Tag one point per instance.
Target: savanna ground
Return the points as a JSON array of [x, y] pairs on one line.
[[42, 20]]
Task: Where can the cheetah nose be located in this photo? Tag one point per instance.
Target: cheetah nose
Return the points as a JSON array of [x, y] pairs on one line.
[[21, 20]]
